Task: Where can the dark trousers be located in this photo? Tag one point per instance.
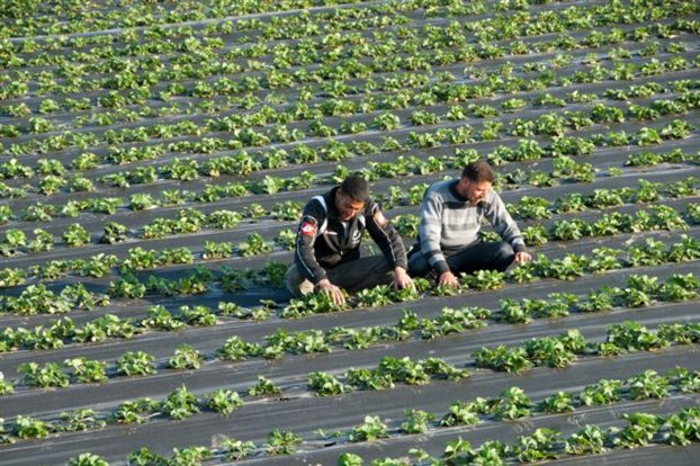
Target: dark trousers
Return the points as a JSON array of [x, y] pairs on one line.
[[476, 256], [352, 276]]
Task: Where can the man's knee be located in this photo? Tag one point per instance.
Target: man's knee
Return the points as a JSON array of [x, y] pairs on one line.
[[504, 255], [296, 283]]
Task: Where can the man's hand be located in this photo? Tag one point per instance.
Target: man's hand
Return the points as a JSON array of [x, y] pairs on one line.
[[522, 257], [402, 280], [329, 289], [448, 278]]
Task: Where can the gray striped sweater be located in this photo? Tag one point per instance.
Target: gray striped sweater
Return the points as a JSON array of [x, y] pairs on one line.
[[450, 222]]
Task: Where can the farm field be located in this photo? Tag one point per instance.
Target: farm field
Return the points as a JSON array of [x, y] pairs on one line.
[[154, 161]]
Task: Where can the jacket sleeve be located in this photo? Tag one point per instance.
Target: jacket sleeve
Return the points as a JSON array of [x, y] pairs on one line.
[[386, 236], [503, 223], [430, 231], [312, 219]]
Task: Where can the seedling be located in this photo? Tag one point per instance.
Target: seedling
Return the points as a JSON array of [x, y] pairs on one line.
[[223, 401]]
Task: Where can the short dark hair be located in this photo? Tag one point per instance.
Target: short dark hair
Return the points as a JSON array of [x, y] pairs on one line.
[[356, 187], [478, 171]]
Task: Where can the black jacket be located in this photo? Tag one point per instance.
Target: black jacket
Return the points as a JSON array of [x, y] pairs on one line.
[[322, 241]]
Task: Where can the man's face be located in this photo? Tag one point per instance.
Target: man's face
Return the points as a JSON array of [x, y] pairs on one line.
[[474, 191], [346, 206]]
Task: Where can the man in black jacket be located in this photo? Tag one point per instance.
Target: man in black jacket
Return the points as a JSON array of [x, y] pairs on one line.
[[327, 253]]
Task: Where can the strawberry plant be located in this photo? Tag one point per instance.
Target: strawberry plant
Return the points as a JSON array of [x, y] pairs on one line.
[[604, 259], [197, 315], [548, 351], [567, 268], [417, 421], [135, 363], [531, 208], [223, 401], [87, 459], [682, 428], [127, 286], [87, 371], [484, 280], [541, 445], [286, 239], [75, 236], [601, 393], [647, 385], [235, 450], [640, 430], [632, 336], [48, 376], [324, 384], [80, 419], [253, 246], [26, 427], [438, 368], [185, 357], [113, 233], [596, 301], [501, 358], [372, 429], [43, 241], [460, 413], [214, 251], [280, 442], [560, 402], [512, 404], [350, 459], [312, 303], [366, 379], [588, 441], [404, 370], [513, 312], [6, 387], [131, 412], [264, 387], [180, 404], [159, 318]]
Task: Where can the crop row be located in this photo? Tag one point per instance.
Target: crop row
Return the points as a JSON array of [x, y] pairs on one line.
[[385, 59], [641, 430], [164, 21], [550, 124], [564, 169], [190, 220], [243, 136], [642, 291], [387, 93], [291, 26], [512, 404], [158, 318], [37, 299], [324, 50], [543, 444], [561, 148]]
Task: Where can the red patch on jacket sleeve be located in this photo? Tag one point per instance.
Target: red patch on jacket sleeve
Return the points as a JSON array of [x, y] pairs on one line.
[[308, 229]]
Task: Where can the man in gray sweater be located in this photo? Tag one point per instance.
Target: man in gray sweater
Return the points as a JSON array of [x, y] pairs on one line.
[[451, 215]]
